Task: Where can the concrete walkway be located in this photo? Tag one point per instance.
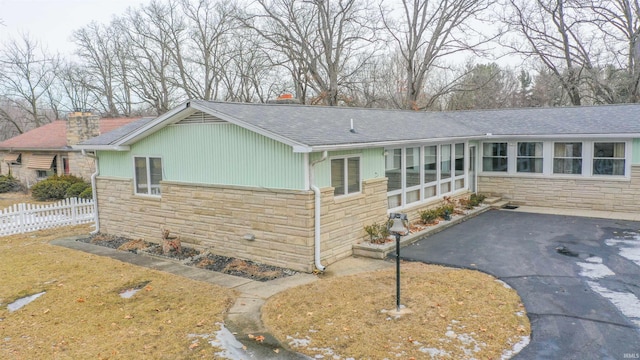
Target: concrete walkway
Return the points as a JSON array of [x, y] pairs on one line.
[[612, 215], [244, 317]]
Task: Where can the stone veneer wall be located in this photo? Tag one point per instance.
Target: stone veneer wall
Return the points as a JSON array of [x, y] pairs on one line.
[[79, 165], [591, 194], [218, 217]]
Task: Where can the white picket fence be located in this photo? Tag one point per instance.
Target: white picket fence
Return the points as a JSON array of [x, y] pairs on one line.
[[23, 218]]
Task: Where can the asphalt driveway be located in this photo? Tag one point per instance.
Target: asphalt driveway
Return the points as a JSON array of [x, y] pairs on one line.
[[579, 278]]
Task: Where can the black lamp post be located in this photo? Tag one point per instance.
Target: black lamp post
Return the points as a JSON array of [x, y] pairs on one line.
[[398, 228]]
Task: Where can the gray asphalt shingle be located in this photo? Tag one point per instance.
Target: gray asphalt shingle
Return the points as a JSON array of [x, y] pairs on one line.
[[330, 126]]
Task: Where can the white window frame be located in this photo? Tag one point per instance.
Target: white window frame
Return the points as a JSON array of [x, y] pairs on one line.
[[594, 158], [518, 157], [438, 183], [548, 148], [563, 157], [483, 156], [345, 161], [150, 188]]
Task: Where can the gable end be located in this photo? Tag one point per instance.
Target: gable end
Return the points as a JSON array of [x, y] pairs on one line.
[[200, 117]]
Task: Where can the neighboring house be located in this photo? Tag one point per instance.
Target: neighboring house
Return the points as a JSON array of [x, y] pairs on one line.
[[293, 185], [46, 150]]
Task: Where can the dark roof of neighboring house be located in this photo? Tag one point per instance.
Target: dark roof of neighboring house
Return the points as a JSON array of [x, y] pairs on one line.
[[53, 136], [312, 128]]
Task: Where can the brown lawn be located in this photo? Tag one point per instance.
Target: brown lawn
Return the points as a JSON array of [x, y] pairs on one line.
[[83, 316], [457, 314]]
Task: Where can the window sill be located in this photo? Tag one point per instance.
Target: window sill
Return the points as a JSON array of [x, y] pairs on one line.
[[558, 176], [345, 198], [148, 197]]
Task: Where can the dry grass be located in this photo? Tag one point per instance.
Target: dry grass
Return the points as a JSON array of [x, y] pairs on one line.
[[82, 315], [456, 314], [8, 199]]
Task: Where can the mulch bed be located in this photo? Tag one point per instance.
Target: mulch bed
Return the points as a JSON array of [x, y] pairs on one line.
[[193, 257]]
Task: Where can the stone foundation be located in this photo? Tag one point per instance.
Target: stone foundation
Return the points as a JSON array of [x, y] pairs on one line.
[[591, 194], [217, 218]]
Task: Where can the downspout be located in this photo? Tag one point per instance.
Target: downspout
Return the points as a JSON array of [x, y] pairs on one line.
[[317, 209], [94, 193]]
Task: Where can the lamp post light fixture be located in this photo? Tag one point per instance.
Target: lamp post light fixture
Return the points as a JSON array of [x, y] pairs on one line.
[[399, 227]]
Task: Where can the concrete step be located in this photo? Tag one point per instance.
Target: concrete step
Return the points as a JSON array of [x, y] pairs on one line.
[[499, 204], [492, 200]]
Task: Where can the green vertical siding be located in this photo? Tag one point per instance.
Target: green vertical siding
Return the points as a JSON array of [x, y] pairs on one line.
[[371, 164], [635, 159], [214, 154]]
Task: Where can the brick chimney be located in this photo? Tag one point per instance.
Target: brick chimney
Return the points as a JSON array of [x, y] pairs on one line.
[[82, 126]]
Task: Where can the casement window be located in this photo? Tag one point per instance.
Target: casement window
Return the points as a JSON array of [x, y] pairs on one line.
[[459, 166], [494, 157], [422, 173], [567, 158], [529, 157], [430, 171], [345, 175], [608, 158], [148, 174]]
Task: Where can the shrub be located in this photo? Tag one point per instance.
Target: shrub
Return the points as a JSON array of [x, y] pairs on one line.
[[377, 232], [427, 216], [76, 189], [476, 199], [56, 187], [9, 184], [87, 193]]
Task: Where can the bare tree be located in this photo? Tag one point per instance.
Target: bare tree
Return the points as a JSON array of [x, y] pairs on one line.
[[320, 40], [426, 32], [149, 31], [619, 23], [555, 33], [26, 74]]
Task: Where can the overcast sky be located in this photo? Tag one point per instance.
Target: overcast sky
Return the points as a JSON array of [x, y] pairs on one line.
[[52, 21]]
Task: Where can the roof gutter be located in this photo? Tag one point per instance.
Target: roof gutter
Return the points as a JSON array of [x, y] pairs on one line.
[[317, 210], [94, 192]]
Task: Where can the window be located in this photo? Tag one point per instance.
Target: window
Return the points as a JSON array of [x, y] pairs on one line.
[[459, 170], [412, 174], [41, 174], [430, 163], [445, 161], [529, 157], [345, 175], [567, 158], [494, 157], [608, 158], [148, 174]]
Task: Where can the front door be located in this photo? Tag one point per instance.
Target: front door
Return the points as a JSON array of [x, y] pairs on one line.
[[472, 169]]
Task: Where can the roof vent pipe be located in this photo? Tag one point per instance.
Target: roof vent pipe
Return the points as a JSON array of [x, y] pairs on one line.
[[352, 129]]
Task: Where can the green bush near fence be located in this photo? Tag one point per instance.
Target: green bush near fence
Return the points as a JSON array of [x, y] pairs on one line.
[[59, 187]]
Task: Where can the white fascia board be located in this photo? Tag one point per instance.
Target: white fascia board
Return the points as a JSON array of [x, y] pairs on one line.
[[563, 136], [396, 143], [101, 147], [297, 147], [161, 121]]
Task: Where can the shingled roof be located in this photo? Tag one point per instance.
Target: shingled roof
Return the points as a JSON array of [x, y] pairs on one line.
[[313, 128], [53, 136]]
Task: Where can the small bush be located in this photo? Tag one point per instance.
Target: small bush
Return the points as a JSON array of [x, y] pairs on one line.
[[9, 184], [476, 199], [56, 187], [76, 189], [427, 216], [87, 193], [377, 232]]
